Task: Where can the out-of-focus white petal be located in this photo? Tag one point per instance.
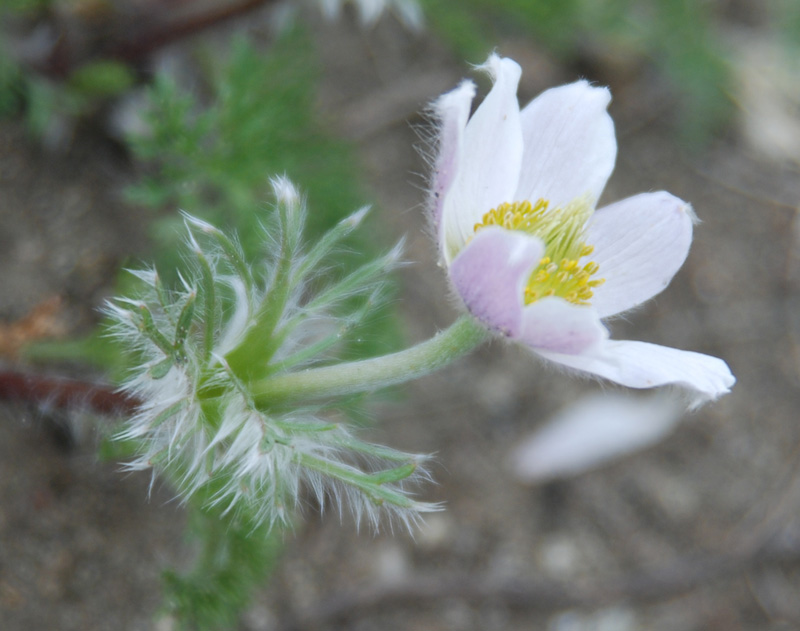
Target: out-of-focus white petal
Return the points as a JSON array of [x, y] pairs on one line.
[[408, 11], [640, 243], [593, 431], [556, 325], [491, 154], [452, 110], [369, 10], [570, 148], [330, 8], [490, 275], [643, 365]]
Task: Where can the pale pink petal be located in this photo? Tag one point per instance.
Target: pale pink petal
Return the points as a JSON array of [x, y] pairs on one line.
[[593, 431], [491, 154], [490, 275], [640, 242], [570, 148], [556, 325], [643, 365], [452, 110]]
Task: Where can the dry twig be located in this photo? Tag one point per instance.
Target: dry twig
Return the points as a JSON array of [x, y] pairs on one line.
[[63, 393]]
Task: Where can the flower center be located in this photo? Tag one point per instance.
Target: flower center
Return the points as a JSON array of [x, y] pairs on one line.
[[559, 272]]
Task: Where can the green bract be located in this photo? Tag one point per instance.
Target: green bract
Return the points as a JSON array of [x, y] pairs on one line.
[[235, 324]]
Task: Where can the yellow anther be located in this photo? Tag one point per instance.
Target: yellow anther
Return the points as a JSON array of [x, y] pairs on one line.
[[561, 230]]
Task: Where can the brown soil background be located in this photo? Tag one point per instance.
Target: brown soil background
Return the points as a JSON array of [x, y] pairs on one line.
[[81, 546]]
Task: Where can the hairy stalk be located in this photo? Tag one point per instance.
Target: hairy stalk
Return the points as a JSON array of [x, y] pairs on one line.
[[371, 374]]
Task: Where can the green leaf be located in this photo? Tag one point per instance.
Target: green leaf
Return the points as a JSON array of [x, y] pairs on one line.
[[160, 370], [394, 475]]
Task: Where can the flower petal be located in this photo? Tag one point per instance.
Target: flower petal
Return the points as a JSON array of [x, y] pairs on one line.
[[490, 275], [452, 110], [488, 170], [556, 325], [640, 243], [643, 365], [570, 148], [591, 432]]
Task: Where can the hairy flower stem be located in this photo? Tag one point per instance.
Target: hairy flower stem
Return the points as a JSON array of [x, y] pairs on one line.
[[371, 374]]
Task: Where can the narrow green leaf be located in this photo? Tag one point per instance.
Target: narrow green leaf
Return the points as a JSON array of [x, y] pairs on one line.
[[230, 248], [267, 443], [376, 492], [161, 292], [185, 321], [160, 370], [295, 427], [312, 350], [376, 451], [168, 412], [358, 281], [394, 475], [149, 328], [209, 302], [253, 353], [328, 240]]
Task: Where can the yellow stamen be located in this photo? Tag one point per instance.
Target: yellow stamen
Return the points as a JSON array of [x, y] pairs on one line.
[[562, 229]]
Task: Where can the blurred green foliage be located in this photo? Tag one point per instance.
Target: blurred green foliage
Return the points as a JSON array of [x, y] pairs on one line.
[[679, 37], [235, 555], [785, 20], [11, 82], [46, 103], [25, 6], [213, 153]]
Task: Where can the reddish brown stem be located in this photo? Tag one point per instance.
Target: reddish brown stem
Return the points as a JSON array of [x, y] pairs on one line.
[[130, 38], [132, 51], [63, 393]]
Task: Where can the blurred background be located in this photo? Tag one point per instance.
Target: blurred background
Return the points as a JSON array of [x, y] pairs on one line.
[[115, 114]]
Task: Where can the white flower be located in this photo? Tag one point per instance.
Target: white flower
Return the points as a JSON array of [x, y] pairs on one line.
[[513, 206]]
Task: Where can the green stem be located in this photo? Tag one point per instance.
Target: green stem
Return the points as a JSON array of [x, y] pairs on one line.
[[370, 374]]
